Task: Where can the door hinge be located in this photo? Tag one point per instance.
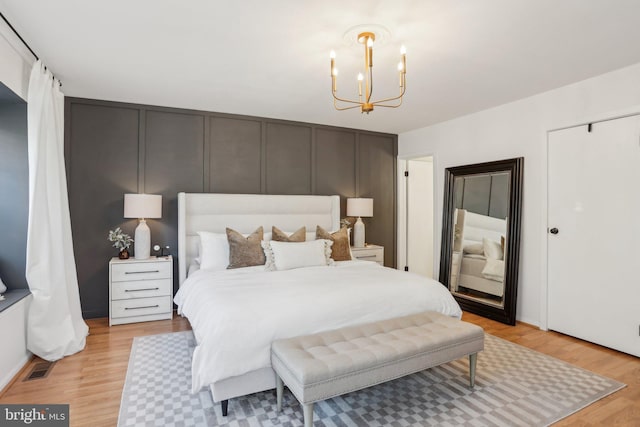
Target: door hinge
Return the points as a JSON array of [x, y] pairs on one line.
[[406, 268], [589, 126], [406, 173]]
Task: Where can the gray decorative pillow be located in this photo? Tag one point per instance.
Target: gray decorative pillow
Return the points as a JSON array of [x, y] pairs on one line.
[[280, 236], [245, 251], [341, 249]]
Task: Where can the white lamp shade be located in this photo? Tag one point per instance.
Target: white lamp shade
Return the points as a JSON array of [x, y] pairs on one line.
[[142, 206], [359, 207]]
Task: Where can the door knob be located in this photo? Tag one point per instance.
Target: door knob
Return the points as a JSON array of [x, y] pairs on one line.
[[553, 231]]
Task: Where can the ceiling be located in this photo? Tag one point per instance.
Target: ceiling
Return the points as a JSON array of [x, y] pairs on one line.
[[271, 58]]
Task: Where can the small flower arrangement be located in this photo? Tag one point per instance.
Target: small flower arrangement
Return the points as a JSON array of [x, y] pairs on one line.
[[120, 239]]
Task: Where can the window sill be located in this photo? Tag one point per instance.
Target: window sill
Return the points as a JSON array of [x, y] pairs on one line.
[[13, 296]]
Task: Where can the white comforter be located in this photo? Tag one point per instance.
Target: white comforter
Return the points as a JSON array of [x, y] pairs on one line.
[[236, 314]]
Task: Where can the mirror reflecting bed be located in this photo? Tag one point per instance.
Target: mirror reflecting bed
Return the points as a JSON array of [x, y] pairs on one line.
[[481, 236]]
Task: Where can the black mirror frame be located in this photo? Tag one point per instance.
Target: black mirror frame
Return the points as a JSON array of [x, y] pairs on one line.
[[506, 314]]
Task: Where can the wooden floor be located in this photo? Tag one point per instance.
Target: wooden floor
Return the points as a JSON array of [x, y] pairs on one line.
[[91, 381]]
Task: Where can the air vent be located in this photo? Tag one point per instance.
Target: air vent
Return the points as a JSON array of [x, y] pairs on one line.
[[40, 370]]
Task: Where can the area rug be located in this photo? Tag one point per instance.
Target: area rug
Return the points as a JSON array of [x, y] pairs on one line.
[[515, 386]]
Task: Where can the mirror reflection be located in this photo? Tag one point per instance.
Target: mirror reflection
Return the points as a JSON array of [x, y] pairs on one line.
[[479, 236]]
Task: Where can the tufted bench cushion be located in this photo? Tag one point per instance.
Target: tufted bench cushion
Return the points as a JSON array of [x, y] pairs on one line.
[[328, 364]]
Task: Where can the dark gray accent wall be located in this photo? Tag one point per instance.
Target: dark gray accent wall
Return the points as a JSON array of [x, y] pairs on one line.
[[14, 190], [235, 156], [376, 179], [102, 164], [483, 194], [288, 159], [114, 148]]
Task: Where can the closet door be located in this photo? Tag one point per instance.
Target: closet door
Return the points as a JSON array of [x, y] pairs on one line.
[[594, 233]]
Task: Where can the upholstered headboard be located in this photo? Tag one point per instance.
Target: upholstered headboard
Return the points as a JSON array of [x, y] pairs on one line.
[[246, 212], [476, 226]]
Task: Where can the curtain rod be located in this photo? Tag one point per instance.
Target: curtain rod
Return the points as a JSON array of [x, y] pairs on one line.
[[23, 42]]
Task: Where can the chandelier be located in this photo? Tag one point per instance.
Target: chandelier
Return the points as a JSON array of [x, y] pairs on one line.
[[364, 97]]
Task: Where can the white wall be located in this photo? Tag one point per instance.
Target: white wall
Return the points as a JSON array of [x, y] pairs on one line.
[[520, 129], [15, 62]]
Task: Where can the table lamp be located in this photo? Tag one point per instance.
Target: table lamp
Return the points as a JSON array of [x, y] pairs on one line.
[[142, 206], [359, 207]]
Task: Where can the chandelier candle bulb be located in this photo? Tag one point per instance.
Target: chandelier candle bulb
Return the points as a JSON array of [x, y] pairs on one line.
[[332, 55]]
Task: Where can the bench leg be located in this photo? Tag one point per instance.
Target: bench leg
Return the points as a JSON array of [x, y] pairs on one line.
[[225, 407], [279, 391], [308, 414], [472, 369]]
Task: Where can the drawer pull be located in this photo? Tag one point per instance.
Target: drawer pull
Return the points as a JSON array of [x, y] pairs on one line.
[[138, 290], [138, 308], [142, 272], [366, 256]]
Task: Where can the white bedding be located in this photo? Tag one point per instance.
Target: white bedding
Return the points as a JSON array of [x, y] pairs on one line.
[[236, 314], [494, 270]]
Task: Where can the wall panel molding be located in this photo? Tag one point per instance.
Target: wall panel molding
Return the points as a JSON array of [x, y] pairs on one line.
[[116, 148]]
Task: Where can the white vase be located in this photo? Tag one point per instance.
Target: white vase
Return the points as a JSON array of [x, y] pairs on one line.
[[3, 288], [142, 241], [358, 234]]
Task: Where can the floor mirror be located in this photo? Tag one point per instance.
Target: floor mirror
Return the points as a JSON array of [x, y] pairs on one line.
[[481, 237]]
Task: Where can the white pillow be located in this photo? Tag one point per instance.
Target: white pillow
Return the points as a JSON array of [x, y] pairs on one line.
[[474, 248], [290, 255], [492, 249], [214, 251]]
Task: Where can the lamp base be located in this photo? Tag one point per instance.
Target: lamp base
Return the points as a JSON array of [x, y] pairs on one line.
[[142, 241], [358, 234]]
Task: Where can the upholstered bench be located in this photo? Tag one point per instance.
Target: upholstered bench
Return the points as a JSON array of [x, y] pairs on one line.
[[328, 364]]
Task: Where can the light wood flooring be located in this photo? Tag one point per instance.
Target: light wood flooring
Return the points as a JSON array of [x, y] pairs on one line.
[[92, 380]]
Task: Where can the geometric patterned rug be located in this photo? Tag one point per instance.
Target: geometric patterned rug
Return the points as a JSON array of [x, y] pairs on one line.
[[514, 386]]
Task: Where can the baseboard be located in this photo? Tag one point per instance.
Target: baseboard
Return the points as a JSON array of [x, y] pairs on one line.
[[10, 377]]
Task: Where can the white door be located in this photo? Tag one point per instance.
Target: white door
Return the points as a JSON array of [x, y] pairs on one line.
[[594, 258], [420, 216]]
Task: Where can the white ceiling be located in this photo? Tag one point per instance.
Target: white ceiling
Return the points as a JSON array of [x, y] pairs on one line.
[[271, 58]]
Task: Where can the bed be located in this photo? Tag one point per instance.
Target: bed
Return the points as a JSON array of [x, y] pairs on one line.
[[235, 314], [482, 246]]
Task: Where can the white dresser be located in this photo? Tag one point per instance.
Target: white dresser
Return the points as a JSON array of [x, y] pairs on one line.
[[369, 253], [140, 290]]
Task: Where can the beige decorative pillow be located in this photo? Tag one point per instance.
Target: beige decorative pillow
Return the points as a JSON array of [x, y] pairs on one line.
[[280, 236], [245, 251], [492, 249], [341, 249]]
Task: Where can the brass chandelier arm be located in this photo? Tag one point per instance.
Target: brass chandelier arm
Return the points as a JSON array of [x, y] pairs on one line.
[[337, 98], [376, 103], [404, 88], [335, 105], [389, 106]]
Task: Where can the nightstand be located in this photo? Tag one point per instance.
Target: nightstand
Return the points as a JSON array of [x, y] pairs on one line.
[[369, 253], [140, 290]]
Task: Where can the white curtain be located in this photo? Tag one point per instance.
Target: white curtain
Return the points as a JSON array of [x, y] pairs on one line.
[[55, 326]]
